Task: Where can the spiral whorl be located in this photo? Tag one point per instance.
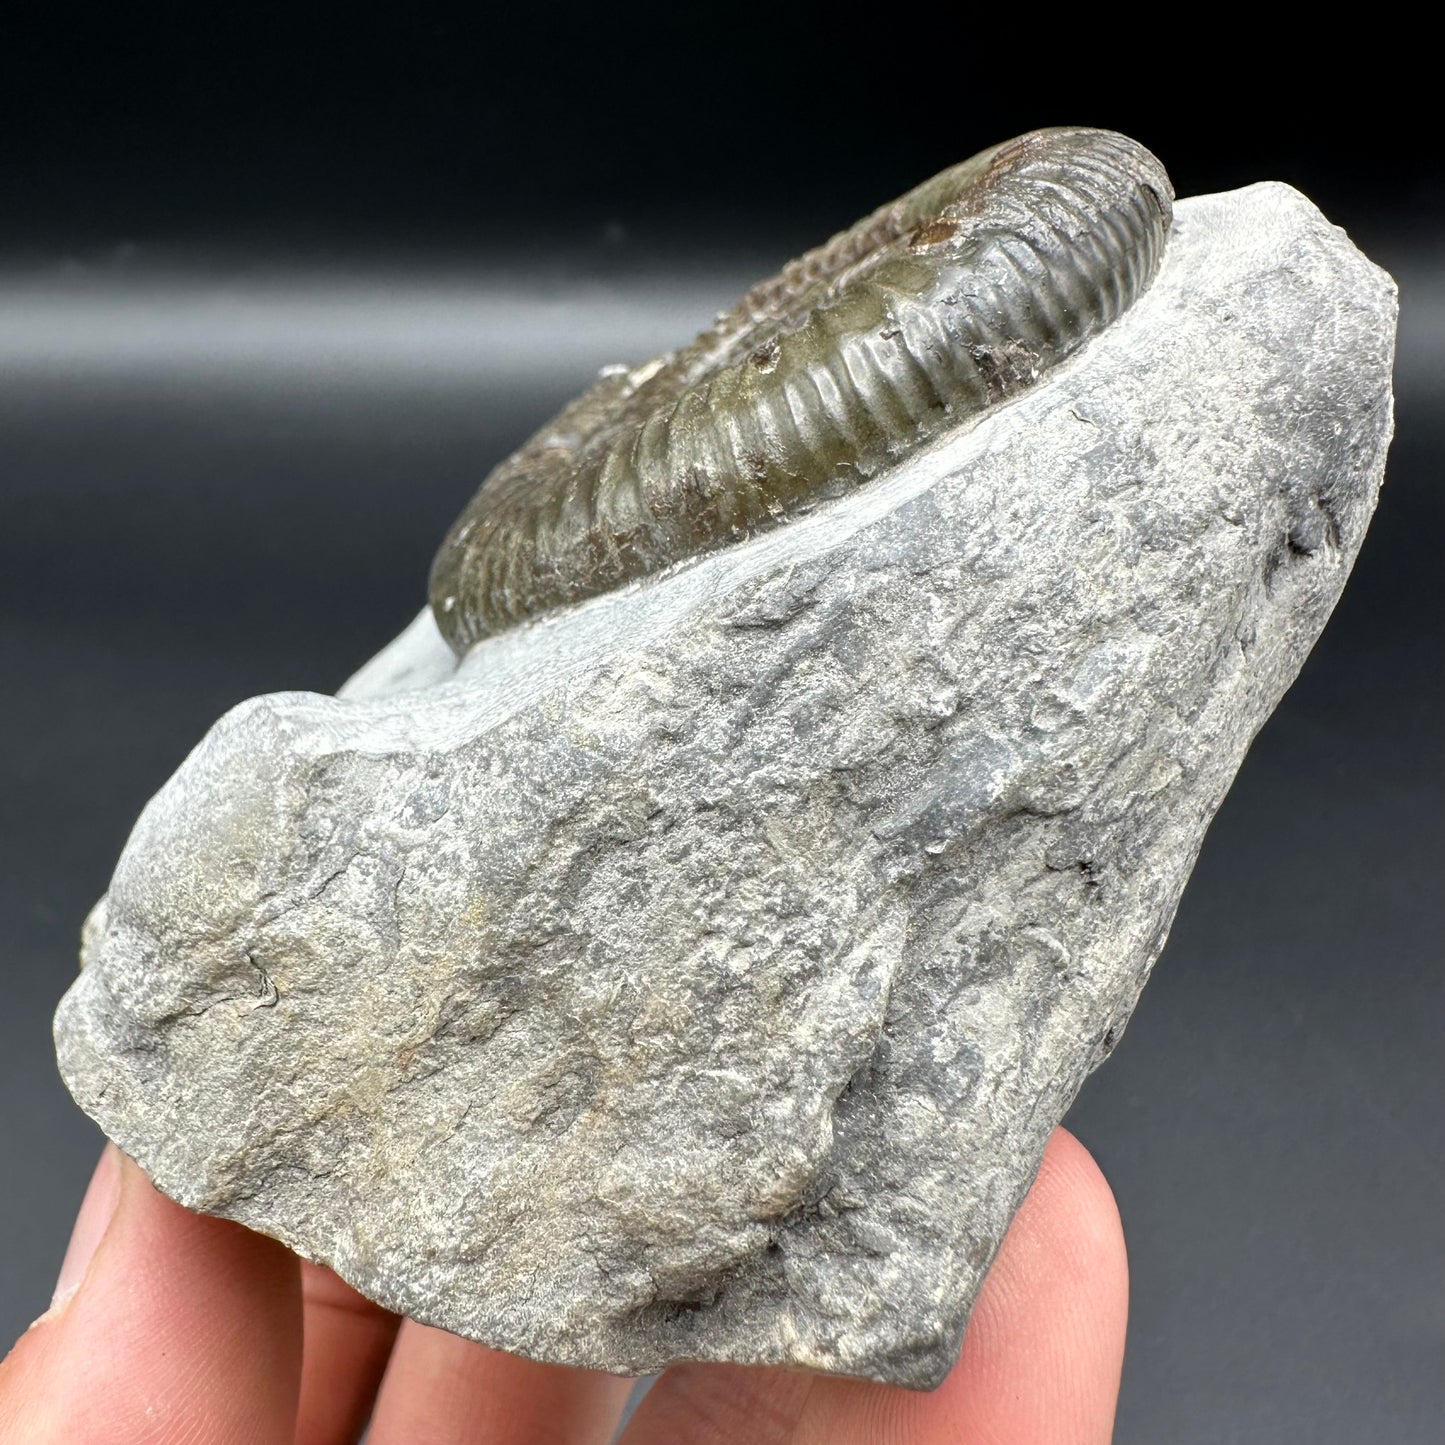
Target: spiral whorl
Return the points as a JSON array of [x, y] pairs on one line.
[[950, 299]]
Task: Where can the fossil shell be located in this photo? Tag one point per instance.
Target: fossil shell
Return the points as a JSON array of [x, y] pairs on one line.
[[934, 308]]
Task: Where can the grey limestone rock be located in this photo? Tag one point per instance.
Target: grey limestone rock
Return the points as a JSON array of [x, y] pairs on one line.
[[698, 973]]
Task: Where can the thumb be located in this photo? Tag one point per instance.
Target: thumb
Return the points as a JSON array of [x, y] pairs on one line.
[[166, 1327]]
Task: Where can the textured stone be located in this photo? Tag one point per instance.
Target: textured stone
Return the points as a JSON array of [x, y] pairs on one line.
[[700, 973]]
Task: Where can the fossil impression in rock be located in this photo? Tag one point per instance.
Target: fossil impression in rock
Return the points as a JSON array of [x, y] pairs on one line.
[[682, 942]]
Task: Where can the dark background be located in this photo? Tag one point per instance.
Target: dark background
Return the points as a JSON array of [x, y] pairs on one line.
[[276, 293]]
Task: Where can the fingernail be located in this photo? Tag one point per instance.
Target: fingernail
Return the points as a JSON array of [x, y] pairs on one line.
[[90, 1225]]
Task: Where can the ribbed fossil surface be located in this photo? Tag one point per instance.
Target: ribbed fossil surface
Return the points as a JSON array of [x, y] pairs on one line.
[[949, 300]]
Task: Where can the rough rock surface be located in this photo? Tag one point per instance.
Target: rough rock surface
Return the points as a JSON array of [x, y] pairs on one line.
[[699, 973]]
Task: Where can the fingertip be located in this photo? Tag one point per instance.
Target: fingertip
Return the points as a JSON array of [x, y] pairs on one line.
[[348, 1341], [96, 1210], [1074, 1219], [1044, 1347], [181, 1327]]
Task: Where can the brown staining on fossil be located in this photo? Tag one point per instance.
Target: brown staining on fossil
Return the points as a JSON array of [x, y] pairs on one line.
[[933, 233], [950, 300], [765, 358]]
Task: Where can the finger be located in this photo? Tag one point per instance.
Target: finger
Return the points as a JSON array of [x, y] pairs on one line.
[[176, 1328], [347, 1342], [723, 1405], [449, 1391], [1040, 1362], [1044, 1349]]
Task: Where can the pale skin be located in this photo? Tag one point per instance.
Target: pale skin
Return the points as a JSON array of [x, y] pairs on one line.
[[174, 1329]]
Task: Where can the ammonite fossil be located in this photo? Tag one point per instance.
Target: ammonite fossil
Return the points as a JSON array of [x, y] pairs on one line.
[[937, 306]]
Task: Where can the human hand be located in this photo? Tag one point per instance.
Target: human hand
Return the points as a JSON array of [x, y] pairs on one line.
[[171, 1328]]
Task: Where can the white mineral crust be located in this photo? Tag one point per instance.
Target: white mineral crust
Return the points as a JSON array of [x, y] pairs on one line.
[[699, 973]]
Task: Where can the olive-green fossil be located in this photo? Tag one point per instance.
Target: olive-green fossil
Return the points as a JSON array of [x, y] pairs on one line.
[[943, 303]]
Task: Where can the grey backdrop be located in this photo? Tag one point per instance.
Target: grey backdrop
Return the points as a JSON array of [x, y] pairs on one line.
[[265, 322]]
